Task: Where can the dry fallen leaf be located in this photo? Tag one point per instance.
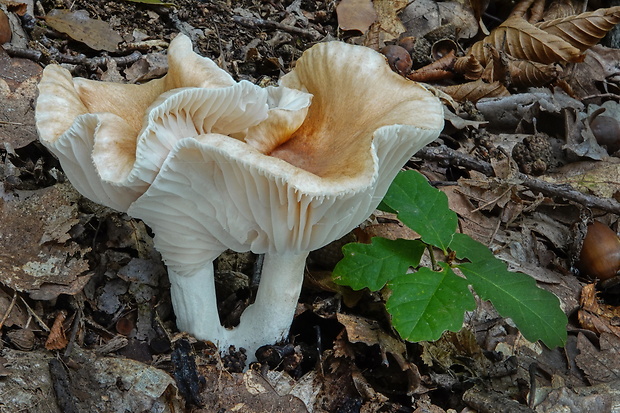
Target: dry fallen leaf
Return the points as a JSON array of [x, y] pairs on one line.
[[356, 15], [525, 73], [476, 90], [603, 180], [57, 339], [5, 28], [600, 365], [583, 30], [523, 40], [26, 263], [96, 34], [388, 20]]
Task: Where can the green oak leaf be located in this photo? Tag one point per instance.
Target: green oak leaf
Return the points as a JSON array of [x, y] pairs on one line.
[[466, 247], [373, 265], [536, 312], [422, 208], [426, 303]]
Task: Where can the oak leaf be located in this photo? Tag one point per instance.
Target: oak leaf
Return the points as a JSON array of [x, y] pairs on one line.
[[583, 30], [474, 91], [523, 40]]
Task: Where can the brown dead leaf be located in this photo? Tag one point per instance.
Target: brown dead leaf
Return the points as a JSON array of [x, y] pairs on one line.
[[390, 24], [600, 365], [583, 30], [249, 393], [16, 7], [595, 74], [356, 15], [96, 34], [522, 40], [369, 332], [18, 88], [596, 316], [25, 262], [559, 9], [57, 339], [476, 90], [12, 310], [525, 73], [5, 28], [600, 178], [469, 67]]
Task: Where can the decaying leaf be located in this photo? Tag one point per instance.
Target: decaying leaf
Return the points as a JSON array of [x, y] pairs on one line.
[[96, 34], [476, 90], [596, 316], [18, 88], [105, 384], [583, 30], [356, 15], [57, 339], [469, 67], [5, 28], [369, 332], [27, 261], [390, 24], [601, 178], [600, 365], [597, 72], [525, 73], [248, 392]]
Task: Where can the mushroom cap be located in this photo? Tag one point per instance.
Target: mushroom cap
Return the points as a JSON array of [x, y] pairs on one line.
[[211, 164], [88, 123], [293, 192]]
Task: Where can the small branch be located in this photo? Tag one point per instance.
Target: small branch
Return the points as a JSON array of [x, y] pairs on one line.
[[8, 311], [447, 156], [268, 24], [54, 54]]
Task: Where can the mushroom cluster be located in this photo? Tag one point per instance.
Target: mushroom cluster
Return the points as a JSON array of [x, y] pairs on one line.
[[212, 164]]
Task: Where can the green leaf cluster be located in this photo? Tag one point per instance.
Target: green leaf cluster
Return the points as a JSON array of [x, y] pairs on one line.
[[428, 301]]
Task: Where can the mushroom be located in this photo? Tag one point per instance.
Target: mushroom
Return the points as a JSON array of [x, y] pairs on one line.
[[211, 164]]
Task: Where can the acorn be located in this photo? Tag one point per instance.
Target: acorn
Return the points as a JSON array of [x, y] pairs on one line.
[[600, 253], [398, 58], [606, 130]]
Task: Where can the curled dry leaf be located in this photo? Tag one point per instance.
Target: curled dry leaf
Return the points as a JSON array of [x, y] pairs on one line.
[[583, 30], [5, 28], [438, 70], [476, 90], [523, 40], [96, 34], [469, 67], [57, 339], [525, 73]]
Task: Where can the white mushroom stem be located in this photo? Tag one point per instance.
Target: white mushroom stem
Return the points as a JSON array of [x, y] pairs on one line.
[[267, 321]]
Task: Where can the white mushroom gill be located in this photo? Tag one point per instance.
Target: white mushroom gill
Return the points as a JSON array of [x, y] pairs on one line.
[[211, 164]]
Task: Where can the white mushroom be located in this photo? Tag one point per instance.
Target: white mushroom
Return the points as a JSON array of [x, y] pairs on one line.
[[214, 164]]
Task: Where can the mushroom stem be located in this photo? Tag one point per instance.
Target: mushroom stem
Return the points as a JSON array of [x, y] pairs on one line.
[[268, 320], [195, 304]]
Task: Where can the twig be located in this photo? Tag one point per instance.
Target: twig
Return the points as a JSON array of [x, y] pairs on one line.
[[8, 311], [447, 156], [35, 316], [256, 22], [54, 54]]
